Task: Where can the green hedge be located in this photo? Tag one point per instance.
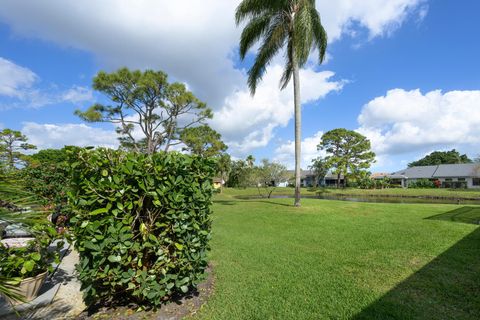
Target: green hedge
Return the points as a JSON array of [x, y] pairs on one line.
[[141, 222]]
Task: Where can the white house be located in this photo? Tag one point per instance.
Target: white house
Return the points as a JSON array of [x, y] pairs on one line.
[[465, 175]]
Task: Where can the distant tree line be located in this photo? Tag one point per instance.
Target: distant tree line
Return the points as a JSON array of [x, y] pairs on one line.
[[441, 157]]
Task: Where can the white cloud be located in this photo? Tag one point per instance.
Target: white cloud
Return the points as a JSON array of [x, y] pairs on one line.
[[77, 94], [19, 87], [379, 17], [194, 42], [191, 40], [410, 121], [248, 122], [14, 79], [285, 153], [46, 136]]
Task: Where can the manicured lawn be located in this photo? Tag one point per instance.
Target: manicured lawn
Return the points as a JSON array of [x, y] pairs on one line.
[[470, 193], [342, 260]]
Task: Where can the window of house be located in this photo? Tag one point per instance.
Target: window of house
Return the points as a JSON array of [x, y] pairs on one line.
[[448, 179], [461, 179], [476, 181]]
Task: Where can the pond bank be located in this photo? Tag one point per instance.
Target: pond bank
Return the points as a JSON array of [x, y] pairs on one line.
[[372, 195], [376, 198]]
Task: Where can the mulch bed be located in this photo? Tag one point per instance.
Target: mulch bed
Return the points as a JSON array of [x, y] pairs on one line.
[[185, 306]]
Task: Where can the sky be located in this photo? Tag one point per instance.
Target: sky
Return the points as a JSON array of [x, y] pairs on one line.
[[404, 73]]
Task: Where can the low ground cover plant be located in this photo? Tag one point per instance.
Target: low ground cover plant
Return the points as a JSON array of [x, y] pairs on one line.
[[141, 222], [34, 258]]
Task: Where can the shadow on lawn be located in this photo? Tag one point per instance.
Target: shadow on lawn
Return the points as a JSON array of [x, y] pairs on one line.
[[464, 214], [241, 199], [446, 288], [225, 202], [273, 202]]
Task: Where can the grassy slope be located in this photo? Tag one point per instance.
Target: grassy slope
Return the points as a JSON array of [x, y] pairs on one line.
[[471, 193], [342, 260]]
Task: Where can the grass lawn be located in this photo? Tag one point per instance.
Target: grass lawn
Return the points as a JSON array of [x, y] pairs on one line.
[[446, 193], [343, 260]]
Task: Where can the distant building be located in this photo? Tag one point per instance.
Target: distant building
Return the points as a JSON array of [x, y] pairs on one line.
[[379, 175], [217, 183], [465, 175], [307, 179]]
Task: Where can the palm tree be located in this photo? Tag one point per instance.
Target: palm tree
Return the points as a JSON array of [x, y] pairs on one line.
[[276, 23], [250, 161], [224, 166]]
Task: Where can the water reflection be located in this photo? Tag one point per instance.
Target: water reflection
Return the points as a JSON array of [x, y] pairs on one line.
[[374, 199]]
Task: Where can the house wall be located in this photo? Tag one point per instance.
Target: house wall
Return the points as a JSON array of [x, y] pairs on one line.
[[282, 184], [470, 184], [468, 181]]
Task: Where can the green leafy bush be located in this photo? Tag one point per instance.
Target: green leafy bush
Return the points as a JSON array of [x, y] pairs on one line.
[[47, 176], [141, 222], [422, 184]]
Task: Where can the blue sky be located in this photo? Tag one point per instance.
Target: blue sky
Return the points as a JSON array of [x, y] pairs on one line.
[[402, 72]]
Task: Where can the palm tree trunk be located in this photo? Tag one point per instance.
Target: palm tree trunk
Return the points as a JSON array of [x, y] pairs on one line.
[[298, 126]]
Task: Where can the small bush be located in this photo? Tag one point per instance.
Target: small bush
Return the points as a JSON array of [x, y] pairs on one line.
[[33, 259], [422, 184], [141, 223]]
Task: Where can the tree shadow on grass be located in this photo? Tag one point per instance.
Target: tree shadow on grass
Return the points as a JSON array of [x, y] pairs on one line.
[[465, 214], [225, 202], [273, 202], [244, 199], [446, 288]]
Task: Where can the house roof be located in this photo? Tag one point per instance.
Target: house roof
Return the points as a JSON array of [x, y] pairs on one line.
[[458, 170], [439, 171], [379, 175], [303, 173], [417, 172], [333, 176]]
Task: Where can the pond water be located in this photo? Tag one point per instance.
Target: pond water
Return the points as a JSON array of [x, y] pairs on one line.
[[377, 199]]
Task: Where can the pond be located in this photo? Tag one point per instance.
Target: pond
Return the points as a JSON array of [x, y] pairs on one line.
[[376, 199]]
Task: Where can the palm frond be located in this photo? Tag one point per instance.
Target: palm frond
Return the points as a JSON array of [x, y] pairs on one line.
[[249, 9], [320, 37], [273, 42], [8, 288], [302, 33], [287, 73], [19, 205], [253, 31]]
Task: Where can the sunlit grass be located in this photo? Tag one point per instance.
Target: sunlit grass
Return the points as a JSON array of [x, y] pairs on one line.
[[341, 260]]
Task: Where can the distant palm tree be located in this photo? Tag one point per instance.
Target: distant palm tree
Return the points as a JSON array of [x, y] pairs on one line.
[[276, 23], [250, 161]]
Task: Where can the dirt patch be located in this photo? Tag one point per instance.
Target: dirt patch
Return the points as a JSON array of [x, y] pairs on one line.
[[188, 305]]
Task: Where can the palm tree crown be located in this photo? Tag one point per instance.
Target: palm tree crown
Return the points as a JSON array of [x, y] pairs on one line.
[[275, 23]]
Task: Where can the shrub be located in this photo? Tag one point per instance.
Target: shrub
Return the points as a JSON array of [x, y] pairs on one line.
[[141, 223], [366, 183], [422, 184], [47, 176]]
